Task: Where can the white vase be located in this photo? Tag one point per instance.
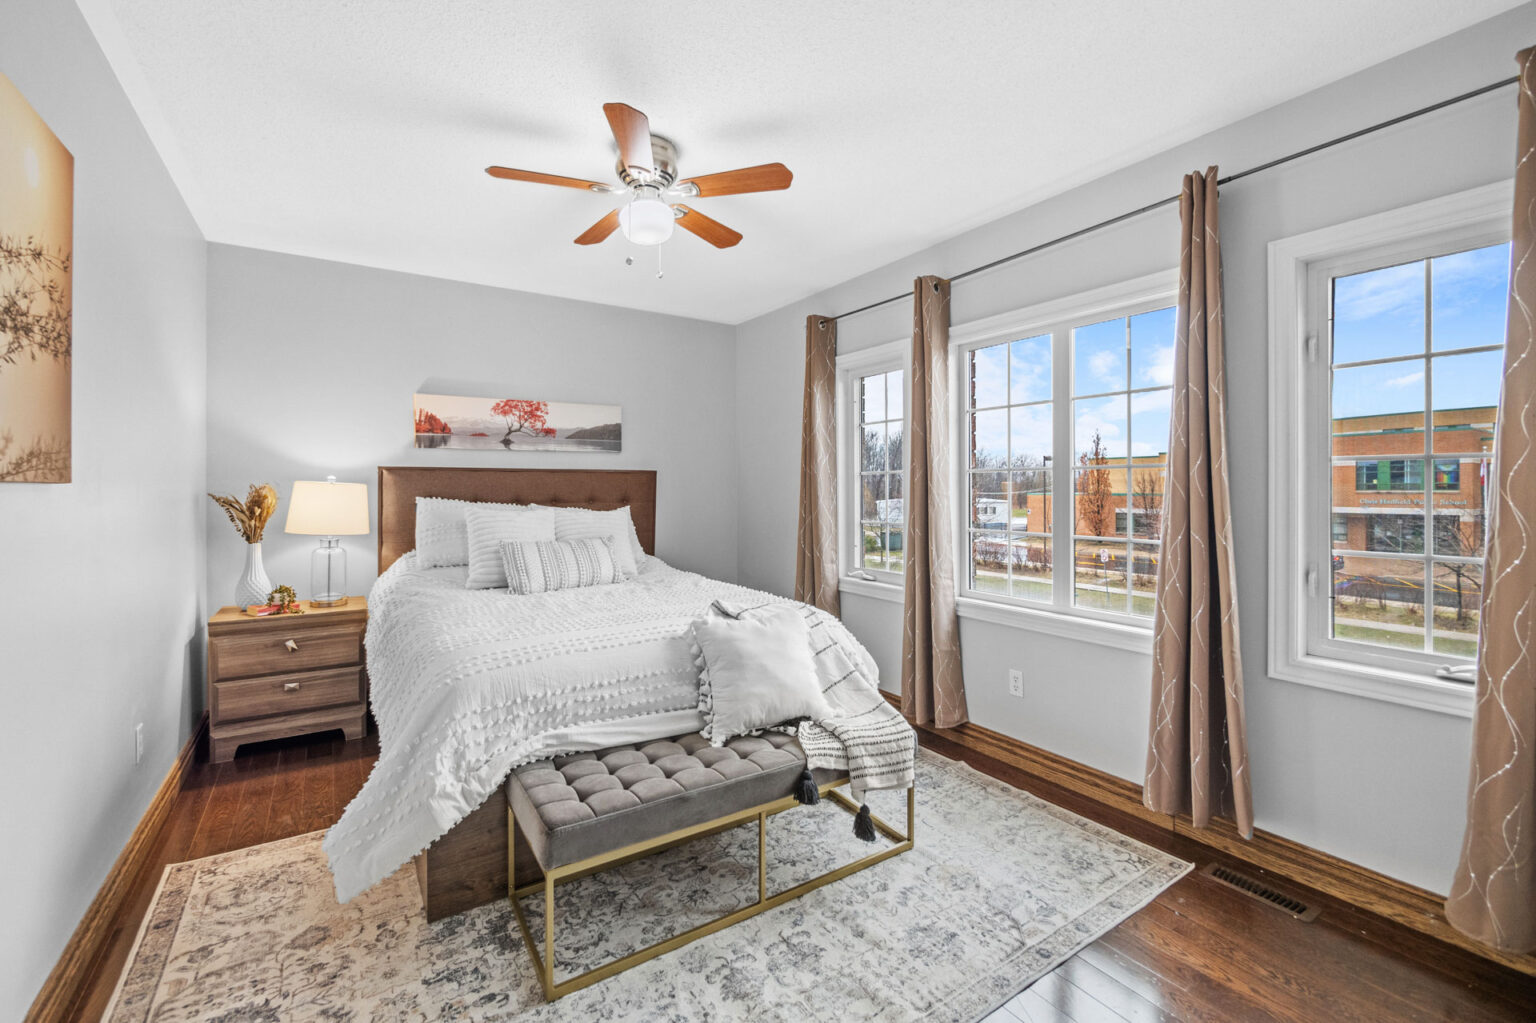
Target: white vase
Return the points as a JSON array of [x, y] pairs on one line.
[[253, 585]]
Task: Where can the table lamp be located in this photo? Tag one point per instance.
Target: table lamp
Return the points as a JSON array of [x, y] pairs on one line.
[[331, 510]]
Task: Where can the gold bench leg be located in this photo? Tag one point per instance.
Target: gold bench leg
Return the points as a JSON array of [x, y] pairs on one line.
[[549, 935], [545, 965], [762, 857]]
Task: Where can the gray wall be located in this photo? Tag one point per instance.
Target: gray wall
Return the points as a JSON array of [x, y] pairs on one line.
[[312, 364], [1373, 782], [101, 580]]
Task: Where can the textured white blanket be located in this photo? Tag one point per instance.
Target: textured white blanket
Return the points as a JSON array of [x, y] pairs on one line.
[[467, 684]]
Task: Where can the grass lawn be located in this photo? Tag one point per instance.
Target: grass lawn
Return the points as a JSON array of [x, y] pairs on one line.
[[1455, 646]]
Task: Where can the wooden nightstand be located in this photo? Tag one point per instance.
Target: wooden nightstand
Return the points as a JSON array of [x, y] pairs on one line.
[[285, 675]]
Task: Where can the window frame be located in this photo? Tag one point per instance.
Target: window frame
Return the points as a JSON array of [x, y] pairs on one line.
[[1301, 268], [851, 368], [1056, 318]]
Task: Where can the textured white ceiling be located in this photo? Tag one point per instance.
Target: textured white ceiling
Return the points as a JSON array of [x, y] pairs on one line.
[[359, 131]]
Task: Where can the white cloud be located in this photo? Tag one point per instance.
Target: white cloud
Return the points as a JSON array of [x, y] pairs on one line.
[[1390, 289], [1106, 366], [1159, 372], [1107, 420], [1406, 380]]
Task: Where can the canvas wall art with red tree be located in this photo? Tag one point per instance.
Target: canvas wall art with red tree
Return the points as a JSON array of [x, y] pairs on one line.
[[515, 424]]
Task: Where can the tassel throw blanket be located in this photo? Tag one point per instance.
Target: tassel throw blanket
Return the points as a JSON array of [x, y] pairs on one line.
[[865, 736]]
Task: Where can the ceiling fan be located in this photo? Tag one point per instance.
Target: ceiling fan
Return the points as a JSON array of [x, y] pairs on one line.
[[647, 168]]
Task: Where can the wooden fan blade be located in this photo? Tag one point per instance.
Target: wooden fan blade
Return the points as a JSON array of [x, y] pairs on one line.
[[513, 174], [711, 230], [767, 177], [600, 230], [632, 131]]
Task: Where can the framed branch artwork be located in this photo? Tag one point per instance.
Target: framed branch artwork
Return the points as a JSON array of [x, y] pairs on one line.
[[37, 190], [516, 424]]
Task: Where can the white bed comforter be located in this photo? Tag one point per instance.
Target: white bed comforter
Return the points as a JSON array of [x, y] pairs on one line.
[[467, 684]]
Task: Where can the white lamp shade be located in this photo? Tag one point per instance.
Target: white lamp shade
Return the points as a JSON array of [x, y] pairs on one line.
[[320, 508], [646, 221]]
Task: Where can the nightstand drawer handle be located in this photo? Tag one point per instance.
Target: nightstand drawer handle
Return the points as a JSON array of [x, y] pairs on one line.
[[293, 647], [290, 687]]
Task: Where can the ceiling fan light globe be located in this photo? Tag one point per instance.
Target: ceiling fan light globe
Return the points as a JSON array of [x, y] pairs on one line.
[[646, 221]]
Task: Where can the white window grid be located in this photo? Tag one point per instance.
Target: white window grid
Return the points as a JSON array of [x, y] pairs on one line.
[[853, 367], [1301, 647], [1056, 319]]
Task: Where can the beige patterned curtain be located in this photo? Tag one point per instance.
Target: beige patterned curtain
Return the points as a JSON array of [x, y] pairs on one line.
[[1197, 753], [816, 546], [932, 690], [1493, 897]]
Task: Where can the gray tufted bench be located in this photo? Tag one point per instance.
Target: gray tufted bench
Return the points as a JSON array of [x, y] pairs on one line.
[[588, 811]]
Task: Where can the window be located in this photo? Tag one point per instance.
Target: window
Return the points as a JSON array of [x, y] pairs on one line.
[[1416, 362], [1063, 423], [881, 461], [1340, 529], [1402, 474], [1121, 375], [1384, 401], [1008, 435], [872, 463]]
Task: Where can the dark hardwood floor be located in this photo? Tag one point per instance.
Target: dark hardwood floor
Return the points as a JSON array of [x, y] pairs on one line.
[[1200, 951]]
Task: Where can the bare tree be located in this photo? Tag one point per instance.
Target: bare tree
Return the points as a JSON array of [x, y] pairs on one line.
[[1454, 538], [1148, 497], [872, 451]]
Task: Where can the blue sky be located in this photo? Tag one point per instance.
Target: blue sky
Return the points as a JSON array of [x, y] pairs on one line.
[[1106, 358], [1380, 314]]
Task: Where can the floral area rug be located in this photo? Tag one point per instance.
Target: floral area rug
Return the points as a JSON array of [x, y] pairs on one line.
[[1000, 888]]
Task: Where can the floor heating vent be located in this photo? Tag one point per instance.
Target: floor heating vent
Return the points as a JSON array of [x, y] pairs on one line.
[[1263, 892]]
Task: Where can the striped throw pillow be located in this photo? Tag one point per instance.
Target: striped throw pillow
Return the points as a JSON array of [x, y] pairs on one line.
[[542, 566], [488, 526]]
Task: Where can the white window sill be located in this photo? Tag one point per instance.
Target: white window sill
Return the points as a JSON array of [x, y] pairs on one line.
[[1409, 689], [1135, 638], [892, 591]]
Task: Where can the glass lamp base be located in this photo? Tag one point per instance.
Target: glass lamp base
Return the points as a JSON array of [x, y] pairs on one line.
[[328, 574]]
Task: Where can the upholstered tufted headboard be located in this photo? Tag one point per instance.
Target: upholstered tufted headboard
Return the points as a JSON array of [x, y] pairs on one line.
[[400, 485]]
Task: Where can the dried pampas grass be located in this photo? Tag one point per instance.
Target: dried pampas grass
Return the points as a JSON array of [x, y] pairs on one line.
[[250, 517]]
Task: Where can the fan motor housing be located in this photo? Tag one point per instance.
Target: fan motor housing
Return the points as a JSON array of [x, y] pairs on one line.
[[663, 155]]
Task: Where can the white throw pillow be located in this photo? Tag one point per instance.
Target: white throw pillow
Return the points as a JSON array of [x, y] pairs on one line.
[[584, 523], [544, 566], [488, 526], [756, 672], [441, 539]]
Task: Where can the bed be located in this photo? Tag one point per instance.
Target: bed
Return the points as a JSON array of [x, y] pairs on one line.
[[469, 683], [467, 867]]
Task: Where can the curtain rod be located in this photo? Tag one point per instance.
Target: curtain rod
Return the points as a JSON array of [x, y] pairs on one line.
[[1159, 204]]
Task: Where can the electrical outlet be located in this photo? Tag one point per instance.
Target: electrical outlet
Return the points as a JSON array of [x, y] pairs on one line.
[[138, 743], [1015, 682]]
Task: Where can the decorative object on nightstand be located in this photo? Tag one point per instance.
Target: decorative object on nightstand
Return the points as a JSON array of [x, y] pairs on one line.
[[331, 510], [283, 675], [250, 518], [281, 601]]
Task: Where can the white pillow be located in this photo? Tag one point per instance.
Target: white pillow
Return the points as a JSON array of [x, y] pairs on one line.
[[756, 673], [488, 526], [544, 566], [584, 523], [441, 539]]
